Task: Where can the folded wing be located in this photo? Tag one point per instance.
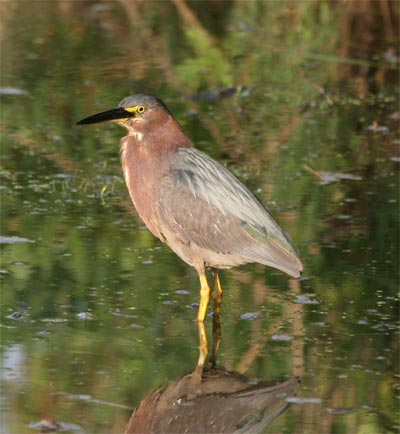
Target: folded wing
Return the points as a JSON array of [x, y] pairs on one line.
[[209, 207]]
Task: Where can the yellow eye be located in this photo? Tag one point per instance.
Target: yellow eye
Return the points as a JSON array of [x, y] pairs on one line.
[[140, 109]]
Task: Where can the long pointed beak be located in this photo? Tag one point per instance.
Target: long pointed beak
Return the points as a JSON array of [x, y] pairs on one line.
[[116, 114]]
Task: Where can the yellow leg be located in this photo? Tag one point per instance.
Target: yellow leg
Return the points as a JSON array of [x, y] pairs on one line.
[[204, 298], [217, 295], [203, 341], [203, 344]]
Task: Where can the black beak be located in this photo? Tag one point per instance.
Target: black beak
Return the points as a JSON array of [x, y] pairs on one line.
[[115, 114]]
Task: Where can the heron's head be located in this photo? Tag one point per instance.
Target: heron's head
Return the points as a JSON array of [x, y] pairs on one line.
[[140, 113]]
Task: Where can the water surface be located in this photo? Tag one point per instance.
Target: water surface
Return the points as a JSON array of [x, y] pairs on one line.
[[295, 100]]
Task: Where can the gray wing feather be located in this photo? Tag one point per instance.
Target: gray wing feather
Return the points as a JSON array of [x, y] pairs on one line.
[[215, 210]]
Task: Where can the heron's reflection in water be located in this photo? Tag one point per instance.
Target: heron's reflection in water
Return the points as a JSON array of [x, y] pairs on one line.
[[213, 401]]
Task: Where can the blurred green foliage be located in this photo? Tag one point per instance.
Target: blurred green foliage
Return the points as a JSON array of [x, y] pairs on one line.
[[287, 95]]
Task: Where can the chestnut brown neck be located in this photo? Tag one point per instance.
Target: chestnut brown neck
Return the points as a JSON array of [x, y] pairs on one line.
[[145, 156]]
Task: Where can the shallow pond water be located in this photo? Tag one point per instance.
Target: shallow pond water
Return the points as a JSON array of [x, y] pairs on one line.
[[95, 312]]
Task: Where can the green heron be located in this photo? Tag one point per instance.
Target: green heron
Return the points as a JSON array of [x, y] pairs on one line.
[[190, 201]]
